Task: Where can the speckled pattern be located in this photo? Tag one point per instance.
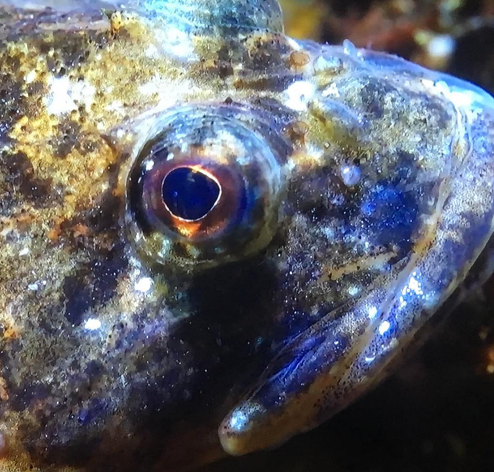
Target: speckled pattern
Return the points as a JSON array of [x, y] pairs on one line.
[[114, 359]]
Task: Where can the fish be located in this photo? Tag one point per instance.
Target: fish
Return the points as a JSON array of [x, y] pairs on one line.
[[214, 237]]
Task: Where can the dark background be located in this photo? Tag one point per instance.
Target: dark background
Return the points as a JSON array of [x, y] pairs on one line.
[[437, 412]]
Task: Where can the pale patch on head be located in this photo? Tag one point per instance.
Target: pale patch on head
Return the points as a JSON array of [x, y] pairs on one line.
[[462, 94], [299, 94], [144, 284], [117, 107], [31, 77], [65, 95], [331, 91], [92, 324], [152, 52], [176, 43]]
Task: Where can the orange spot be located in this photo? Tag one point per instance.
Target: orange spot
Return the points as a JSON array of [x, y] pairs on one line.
[[116, 22], [80, 230], [10, 332], [299, 59], [54, 234]]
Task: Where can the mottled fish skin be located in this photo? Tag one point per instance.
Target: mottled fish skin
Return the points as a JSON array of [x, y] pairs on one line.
[[110, 360]]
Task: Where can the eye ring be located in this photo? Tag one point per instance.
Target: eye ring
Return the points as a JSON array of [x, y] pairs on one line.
[[214, 222], [205, 187]]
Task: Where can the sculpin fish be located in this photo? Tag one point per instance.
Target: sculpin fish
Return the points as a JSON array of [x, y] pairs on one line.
[[214, 237]]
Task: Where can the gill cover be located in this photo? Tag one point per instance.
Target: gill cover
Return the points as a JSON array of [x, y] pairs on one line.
[[429, 216]]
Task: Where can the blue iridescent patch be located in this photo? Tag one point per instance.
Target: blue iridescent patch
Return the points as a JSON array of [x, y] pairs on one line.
[[391, 212], [190, 194]]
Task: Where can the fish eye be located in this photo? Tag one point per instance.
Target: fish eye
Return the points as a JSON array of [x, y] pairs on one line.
[[190, 197], [204, 190], [190, 193]]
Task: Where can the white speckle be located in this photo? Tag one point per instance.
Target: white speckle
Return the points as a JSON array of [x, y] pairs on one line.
[[327, 63], [415, 286], [151, 87], [353, 290], [369, 359], [331, 90], [59, 100], [328, 232], [64, 94], [384, 327], [241, 417], [159, 86], [24, 252], [299, 94], [372, 312], [30, 77], [350, 175], [165, 248], [441, 46], [149, 165], [144, 285], [320, 64], [152, 51], [92, 324], [238, 420], [178, 43], [116, 106], [33, 287]]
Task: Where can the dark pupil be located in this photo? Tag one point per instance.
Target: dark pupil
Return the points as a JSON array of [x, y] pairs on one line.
[[189, 194]]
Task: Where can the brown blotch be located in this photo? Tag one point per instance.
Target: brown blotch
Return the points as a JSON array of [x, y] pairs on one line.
[[225, 69], [21, 175], [297, 131], [298, 59], [18, 167], [54, 234], [69, 138]]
